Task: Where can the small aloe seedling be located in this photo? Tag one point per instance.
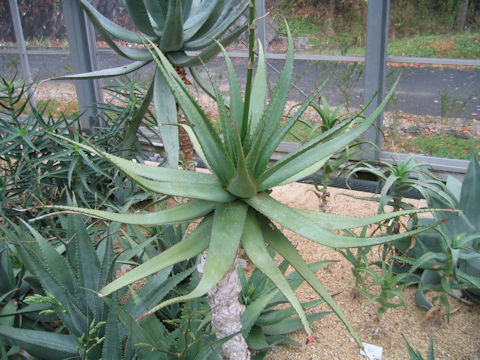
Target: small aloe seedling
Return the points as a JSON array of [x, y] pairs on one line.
[[233, 201]]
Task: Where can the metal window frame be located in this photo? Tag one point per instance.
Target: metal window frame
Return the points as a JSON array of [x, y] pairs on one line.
[[83, 57]]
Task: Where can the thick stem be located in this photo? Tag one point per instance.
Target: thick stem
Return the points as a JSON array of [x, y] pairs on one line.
[[226, 310], [185, 143]]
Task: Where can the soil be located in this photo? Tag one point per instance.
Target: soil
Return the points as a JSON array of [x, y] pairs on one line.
[[457, 338]]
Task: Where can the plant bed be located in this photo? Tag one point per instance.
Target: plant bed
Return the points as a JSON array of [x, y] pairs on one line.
[[454, 339]]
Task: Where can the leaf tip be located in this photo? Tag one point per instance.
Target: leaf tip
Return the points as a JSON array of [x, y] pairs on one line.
[[142, 316]]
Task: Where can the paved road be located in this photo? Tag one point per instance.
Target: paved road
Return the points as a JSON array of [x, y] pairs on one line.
[[417, 93]]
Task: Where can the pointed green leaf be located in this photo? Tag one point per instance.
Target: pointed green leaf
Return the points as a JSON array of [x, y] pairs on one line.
[[191, 246], [112, 346], [205, 85], [291, 324], [293, 220], [136, 121], [270, 147], [253, 244], [256, 339], [180, 58], [337, 222], [196, 145], [236, 99], [282, 245], [176, 215], [470, 191], [274, 111], [196, 21], [139, 16], [54, 263], [166, 113], [172, 38], [220, 24], [116, 71], [209, 140], [109, 26], [85, 255], [147, 171], [231, 137], [305, 172], [274, 316], [243, 184], [31, 340], [227, 229], [314, 151], [259, 91], [156, 11]]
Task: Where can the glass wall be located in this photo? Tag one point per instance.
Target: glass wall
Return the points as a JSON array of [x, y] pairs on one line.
[[436, 109]]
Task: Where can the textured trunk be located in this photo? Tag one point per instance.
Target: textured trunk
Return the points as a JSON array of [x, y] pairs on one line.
[[186, 146], [226, 310], [461, 15]]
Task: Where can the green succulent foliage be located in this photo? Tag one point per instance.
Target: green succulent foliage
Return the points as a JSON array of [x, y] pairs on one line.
[[265, 327], [71, 272], [391, 286], [397, 180], [378, 280], [233, 201], [336, 165], [13, 290], [36, 168], [175, 27], [415, 355], [450, 254]]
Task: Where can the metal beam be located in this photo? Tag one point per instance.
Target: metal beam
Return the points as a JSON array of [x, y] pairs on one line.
[[22, 49], [80, 45], [375, 61], [260, 23]]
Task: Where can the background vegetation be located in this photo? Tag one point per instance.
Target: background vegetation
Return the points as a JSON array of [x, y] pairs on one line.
[[435, 27]]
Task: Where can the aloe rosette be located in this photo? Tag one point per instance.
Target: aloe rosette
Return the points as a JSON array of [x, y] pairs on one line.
[[233, 201], [178, 28]]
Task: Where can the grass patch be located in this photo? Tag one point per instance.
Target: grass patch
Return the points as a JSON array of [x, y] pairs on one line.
[[436, 145], [55, 108], [466, 45], [328, 40]]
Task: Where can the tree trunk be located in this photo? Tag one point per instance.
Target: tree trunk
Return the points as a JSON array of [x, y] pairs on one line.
[[226, 310], [185, 144], [461, 15]]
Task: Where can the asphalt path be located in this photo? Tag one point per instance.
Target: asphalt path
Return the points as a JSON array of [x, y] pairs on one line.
[[418, 92]]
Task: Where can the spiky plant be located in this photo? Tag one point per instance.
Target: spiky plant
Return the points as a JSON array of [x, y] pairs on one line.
[[233, 202], [175, 27]]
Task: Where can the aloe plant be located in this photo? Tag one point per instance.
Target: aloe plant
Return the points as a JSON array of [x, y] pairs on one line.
[[233, 202], [264, 326], [337, 164], [177, 27], [451, 253], [70, 271], [416, 355]]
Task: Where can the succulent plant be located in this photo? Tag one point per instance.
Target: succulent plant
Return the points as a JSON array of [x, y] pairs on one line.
[[450, 254], [69, 272], [177, 27], [415, 355], [233, 202], [263, 325]]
